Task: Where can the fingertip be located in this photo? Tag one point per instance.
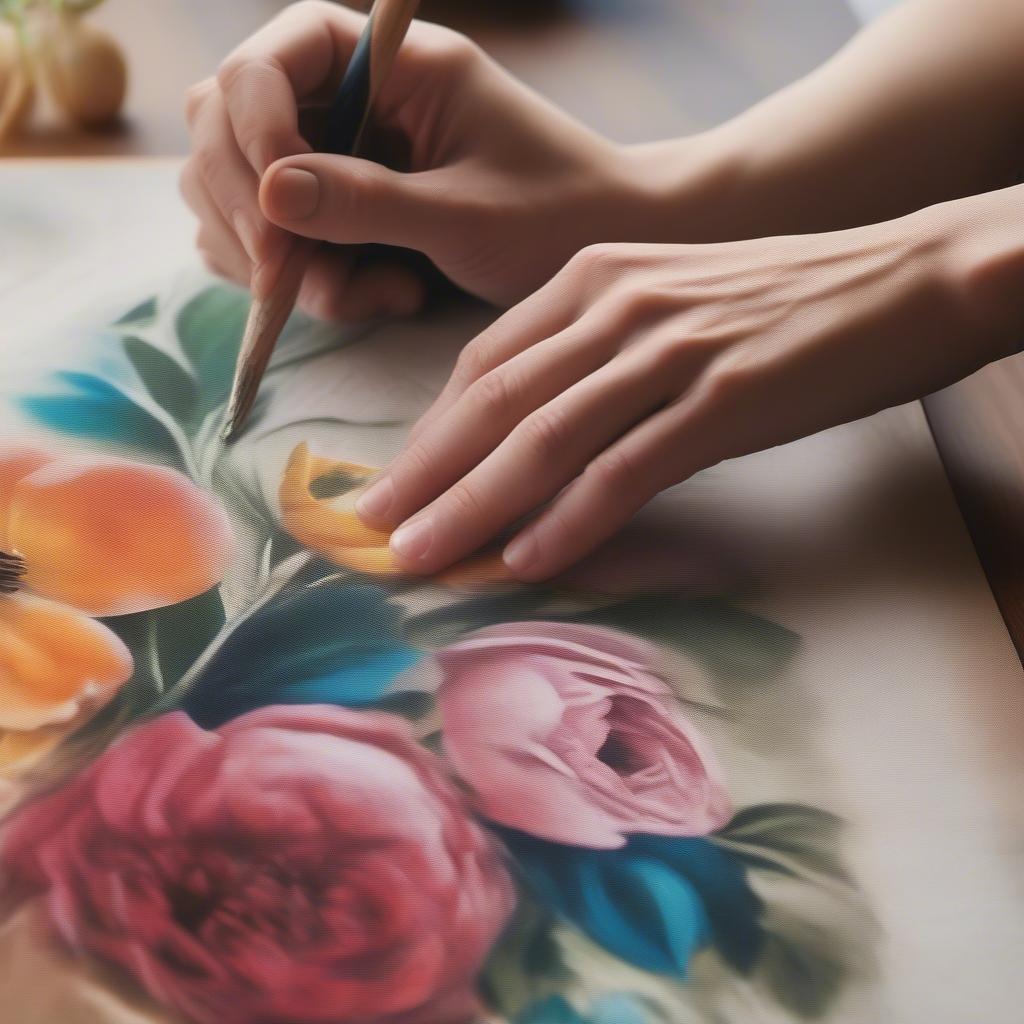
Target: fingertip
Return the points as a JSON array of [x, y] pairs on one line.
[[374, 505], [522, 554], [289, 192]]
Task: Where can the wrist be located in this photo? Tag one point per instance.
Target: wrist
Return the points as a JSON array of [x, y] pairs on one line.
[[681, 190], [982, 247]]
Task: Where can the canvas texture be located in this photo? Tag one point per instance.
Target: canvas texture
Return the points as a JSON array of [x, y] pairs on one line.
[[252, 774]]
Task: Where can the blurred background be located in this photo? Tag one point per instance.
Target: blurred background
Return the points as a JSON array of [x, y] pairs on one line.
[[626, 66]]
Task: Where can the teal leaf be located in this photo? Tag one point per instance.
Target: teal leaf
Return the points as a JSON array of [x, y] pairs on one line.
[[167, 382], [326, 641], [794, 838], [553, 1010], [617, 1008], [166, 641], [143, 313], [210, 328], [730, 642], [653, 903], [95, 409]]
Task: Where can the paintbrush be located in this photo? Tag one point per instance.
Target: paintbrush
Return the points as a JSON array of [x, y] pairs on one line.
[[368, 67]]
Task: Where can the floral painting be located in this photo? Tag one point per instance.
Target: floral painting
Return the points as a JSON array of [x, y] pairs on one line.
[[251, 774]]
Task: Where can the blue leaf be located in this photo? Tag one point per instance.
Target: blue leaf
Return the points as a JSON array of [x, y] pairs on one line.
[[553, 1010], [618, 1009], [653, 903], [611, 1009], [97, 410], [333, 642]]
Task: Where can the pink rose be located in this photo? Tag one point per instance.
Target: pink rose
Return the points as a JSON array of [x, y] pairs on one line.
[[568, 733], [299, 864]]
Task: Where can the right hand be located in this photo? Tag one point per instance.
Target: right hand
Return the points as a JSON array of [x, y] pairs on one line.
[[499, 191]]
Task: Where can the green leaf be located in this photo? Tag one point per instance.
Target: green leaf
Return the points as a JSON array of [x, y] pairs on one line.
[[801, 976], [794, 838], [164, 378], [527, 964], [164, 643], [444, 625], [333, 483], [143, 313], [730, 642], [817, 937], [210, 328]]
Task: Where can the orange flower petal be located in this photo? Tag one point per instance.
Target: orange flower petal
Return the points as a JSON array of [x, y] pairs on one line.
[[111, 537], [15, 463], [55, 663], [20, 750], [331, 526], [328, 525]]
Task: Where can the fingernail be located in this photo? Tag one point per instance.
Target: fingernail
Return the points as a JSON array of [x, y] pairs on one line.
[[412, 540], [247, 234], [375, 502], [296, 193], [522, 552]]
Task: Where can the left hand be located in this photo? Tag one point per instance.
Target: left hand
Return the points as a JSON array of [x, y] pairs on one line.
[[638, 365]]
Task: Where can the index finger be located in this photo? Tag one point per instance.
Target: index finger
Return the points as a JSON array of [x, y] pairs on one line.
[[297, 54]]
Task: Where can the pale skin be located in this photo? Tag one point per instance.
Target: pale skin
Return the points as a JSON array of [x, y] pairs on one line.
[[853, 242]]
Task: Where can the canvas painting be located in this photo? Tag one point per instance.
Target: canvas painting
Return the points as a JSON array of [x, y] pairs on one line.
[[252, 774]]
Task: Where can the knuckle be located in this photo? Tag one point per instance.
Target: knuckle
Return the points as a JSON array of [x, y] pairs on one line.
[[728, 377], [195, 97], [495, 392], [595, 259], [631, 306], [614, 472], [231, 69], [546, 432], [207, 160], [463, 503], [471, 364], [415, 465], [444, 49]]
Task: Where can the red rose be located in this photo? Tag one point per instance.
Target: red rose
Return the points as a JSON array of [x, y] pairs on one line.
[[299, 864]]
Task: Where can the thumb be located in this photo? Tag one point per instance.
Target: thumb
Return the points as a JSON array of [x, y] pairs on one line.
[[351, 201]]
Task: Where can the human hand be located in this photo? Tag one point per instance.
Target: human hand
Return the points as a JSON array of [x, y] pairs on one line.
[[497, 187], [638, 365]]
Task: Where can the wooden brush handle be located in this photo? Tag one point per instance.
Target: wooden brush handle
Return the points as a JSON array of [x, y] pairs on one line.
[[367, 68]]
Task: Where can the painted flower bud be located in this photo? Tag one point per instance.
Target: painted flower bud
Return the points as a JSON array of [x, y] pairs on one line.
[[84, 70]]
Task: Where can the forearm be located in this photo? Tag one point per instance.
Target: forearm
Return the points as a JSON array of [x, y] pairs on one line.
[[923, 106]]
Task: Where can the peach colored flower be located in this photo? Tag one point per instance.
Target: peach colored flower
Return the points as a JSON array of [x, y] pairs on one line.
[[331, 527], [79, 538]]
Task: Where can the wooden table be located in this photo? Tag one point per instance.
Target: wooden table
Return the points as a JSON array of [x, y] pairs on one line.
[[622, 65]]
